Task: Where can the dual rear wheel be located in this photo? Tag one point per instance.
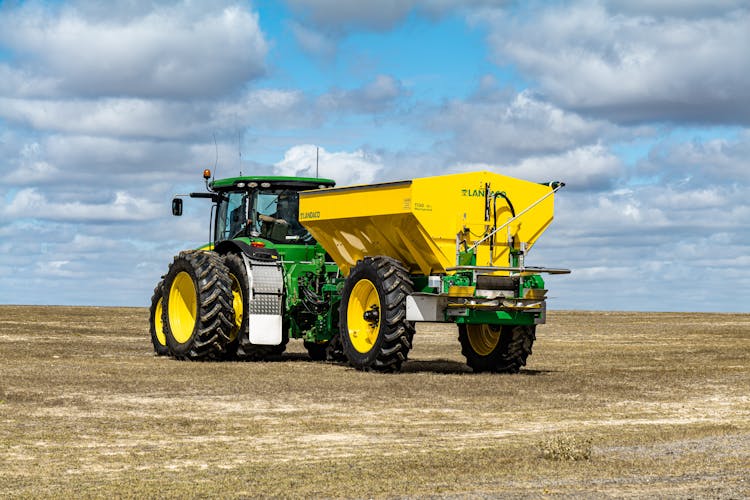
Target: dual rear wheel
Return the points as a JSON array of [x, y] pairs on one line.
[[156, 325], [198, 317], [198, 310]]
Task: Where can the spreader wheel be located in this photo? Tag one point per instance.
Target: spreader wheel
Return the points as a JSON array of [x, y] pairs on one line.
[[156, 327], [494, 348], [198, 316], [374, 331]]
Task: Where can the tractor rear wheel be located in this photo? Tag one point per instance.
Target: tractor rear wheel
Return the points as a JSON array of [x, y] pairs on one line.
[[372, 316], [495, 348], [156, 327], [240, 283], [197, 314]]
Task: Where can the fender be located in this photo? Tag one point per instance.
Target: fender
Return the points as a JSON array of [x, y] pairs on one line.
[[240, 247], [264, 302]]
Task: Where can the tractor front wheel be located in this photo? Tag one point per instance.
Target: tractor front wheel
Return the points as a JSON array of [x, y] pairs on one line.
[[197, 311], [156, 326], [374, 331], [495, 348]]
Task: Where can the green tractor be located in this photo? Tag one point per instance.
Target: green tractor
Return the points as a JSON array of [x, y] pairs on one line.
[[350, 270], [262, 280]]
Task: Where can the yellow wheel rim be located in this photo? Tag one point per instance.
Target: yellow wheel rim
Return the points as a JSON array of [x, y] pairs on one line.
[[362, 332], [483, 338], [183, 307], [238, 304], [158, 324]]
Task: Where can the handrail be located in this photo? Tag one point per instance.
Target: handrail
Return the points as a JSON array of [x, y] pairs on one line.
[[519, 269]]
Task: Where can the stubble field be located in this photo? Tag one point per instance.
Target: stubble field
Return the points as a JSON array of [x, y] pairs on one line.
[[611, 404]]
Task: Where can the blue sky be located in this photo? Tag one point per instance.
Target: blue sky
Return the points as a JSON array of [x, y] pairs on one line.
[[106, 110]]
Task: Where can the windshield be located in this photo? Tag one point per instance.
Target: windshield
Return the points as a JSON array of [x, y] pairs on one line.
[[231, 215], [271, 214]]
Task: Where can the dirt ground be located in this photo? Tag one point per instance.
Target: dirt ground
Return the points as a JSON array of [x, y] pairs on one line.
[[610, 405]]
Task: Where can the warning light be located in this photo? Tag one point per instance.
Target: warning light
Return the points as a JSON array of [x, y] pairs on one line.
[[207, 174], [258, 244]]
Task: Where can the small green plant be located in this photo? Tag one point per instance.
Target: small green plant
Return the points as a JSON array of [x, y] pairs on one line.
[[566, 447]]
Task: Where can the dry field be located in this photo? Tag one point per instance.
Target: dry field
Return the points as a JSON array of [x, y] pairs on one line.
[[612, 404]]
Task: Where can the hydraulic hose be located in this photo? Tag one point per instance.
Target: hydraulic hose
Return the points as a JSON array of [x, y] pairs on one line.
[[494, 213]]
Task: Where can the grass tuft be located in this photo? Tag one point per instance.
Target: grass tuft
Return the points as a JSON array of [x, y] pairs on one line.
[[566, 447]]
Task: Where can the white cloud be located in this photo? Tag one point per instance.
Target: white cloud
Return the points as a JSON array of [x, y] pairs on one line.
[[676, 8], [29, 203], [631, 67], [24, 83], [502, 128], [109, 116], [312, 41], [262, 109], [700, 162], [377, 96], [31, 167], [179, 50], [585, 168], [335, 16], [158, 118], [343, 16], [344, 167]]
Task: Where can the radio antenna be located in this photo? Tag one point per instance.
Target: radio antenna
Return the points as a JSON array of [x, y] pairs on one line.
[[239, 148], [216, 159], [317, 161]]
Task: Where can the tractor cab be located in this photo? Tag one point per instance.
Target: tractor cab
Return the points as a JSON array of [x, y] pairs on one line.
[[252, 207], [262, 207]]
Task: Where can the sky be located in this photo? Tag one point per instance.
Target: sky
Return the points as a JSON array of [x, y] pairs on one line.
[[107, 109]]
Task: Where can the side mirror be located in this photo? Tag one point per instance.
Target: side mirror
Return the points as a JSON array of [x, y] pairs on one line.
[[176, 206]]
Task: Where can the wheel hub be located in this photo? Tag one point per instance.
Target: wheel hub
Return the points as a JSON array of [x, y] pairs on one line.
[[363, 312], [372, 316]]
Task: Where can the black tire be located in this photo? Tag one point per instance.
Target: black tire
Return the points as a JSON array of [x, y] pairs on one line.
[[254, 352], [335, 350], [377, 336], [491, 348], [318, 351], [240, 284], [197, 313], [156, 326]]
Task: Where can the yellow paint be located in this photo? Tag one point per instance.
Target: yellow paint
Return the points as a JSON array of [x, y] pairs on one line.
[[461, 291], [483, 338], [159, 324], [183, 307], [417, 221], [239, 306], [362, 333]]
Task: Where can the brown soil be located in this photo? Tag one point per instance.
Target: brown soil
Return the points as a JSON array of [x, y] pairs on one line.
[[611, 404]]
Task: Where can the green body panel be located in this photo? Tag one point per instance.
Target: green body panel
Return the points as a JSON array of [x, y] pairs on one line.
[[497, 318], [308, 275]]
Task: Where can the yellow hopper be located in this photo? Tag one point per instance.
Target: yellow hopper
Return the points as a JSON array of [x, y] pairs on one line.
[[424, 222]]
